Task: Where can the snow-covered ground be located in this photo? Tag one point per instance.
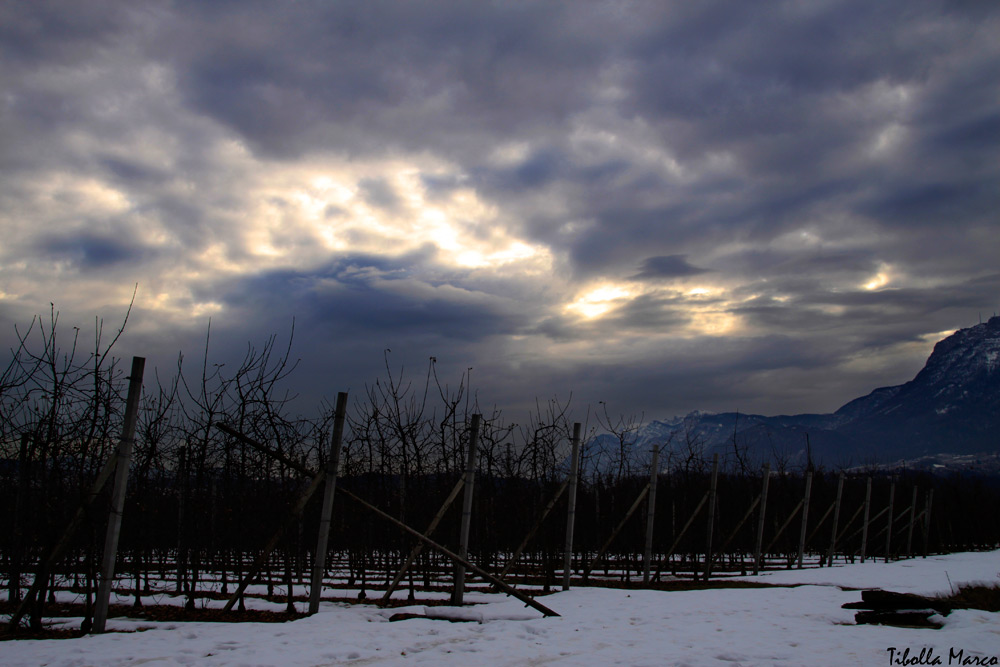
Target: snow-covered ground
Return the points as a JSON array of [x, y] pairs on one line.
[[802, 624]]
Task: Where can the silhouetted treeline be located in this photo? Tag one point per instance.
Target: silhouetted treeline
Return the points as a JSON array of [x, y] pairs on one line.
[[200, 501]]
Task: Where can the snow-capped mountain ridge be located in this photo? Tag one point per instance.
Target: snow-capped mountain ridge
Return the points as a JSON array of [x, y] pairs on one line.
[[952, 406]]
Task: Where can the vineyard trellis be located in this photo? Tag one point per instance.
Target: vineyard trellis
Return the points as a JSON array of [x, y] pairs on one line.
[[205, 507]]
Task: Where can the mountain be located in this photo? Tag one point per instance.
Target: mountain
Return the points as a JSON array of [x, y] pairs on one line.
[[949, 412]]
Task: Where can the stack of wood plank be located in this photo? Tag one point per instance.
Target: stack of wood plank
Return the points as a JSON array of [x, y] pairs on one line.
[[899, 609]]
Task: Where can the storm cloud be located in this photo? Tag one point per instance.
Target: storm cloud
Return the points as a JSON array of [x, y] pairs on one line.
[[719, 205]]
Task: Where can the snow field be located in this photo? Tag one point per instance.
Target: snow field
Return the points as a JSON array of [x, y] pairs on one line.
[[802, 624]]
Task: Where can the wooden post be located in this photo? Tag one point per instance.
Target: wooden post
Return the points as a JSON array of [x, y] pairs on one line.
[[836, 519], [927, 520], [332, 470], [888, 531], [118, 494], [574, 471], [647, 555], [458, 593], [805, 517], [760, 519], [713, 486], [909, 530], [864, 528]]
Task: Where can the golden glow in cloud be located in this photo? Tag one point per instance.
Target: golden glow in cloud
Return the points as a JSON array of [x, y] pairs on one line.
[[597, 301], [879, 280], [708, 308], [325, 205]]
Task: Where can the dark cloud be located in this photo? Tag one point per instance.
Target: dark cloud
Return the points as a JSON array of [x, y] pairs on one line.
[[666, 267], [375, 297], [56, 31], [92, 251]]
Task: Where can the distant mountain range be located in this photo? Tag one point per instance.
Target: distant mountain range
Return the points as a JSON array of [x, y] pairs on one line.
[[948, 416]]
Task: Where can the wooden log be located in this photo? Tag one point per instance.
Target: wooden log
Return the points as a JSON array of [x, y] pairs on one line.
[[912, 618], [574, 472], [332, 470], [125, 446], [876, 599]]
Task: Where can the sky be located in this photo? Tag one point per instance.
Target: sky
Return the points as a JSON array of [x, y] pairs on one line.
[[666, 206]]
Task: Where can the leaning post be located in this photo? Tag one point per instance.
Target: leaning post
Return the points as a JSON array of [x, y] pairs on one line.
[[458, 594], [805, 517], [332, 470], [927, 520], [864, 526], [836, 519], [124, 460], [574, 471], [913, 516], [654, 474], [888, 530], [760, 518]]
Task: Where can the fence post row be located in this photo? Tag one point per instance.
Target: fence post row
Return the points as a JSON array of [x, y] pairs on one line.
[[845, 539]]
